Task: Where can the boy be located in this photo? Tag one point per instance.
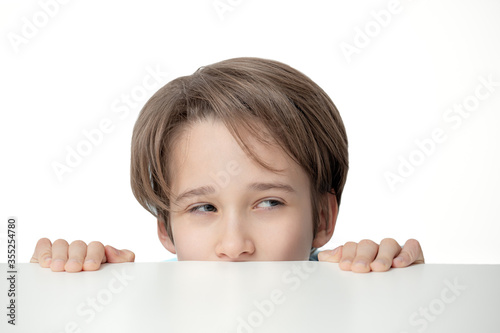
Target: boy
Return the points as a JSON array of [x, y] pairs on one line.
[[245, 159]]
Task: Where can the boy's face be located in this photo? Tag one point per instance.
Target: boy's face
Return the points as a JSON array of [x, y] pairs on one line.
[[239, 216]]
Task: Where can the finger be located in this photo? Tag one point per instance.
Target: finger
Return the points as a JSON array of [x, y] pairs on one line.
[[76, 253], [410, 254], [331, 255], [387, 250], [348, 254], [116, 256], [95, 256], [59, 255], [365, 253], [43, 253]]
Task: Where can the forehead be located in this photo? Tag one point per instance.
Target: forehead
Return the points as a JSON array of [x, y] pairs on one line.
[[207, 148]]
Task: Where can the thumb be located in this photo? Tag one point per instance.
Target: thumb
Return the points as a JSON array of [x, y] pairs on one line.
[[114, 255], [331, 255]]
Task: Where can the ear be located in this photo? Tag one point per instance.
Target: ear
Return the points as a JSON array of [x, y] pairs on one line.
[[325, 229], [164, 239]]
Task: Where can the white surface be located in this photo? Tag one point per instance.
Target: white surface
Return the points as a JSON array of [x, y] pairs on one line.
[[68, 76], [212, 296]]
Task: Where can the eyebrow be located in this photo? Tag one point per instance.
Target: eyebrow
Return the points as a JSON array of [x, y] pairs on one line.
[[256, 187]]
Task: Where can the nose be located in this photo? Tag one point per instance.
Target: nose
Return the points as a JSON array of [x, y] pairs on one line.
[[234, 243]]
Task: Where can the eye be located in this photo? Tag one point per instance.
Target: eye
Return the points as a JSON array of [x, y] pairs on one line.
[[272, 203], [195, 209]]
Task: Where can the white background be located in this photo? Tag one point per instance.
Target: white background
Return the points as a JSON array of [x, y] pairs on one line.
[[74, 69]]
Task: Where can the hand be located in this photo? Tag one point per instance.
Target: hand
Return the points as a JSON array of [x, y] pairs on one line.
[[81, 256], [360, 258]]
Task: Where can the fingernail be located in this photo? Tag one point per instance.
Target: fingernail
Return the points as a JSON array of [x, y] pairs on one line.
[[380, 261], [57, 263], [90, 261], [334, 252], [360, 263], [399, 260], [74, 261], [345, 261], [47, 260]]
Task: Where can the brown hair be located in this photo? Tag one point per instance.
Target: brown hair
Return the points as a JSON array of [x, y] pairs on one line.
[[248, 94]]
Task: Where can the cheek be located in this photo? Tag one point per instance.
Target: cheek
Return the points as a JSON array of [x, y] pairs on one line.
[[289, 240], [191, 244]]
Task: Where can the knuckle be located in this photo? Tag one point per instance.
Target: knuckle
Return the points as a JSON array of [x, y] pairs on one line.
[[78, 243], [60, 242], [44, 240], [96, 243], [349, 250], [412, 247], [413, 243], [367, 242], [389, 241]]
